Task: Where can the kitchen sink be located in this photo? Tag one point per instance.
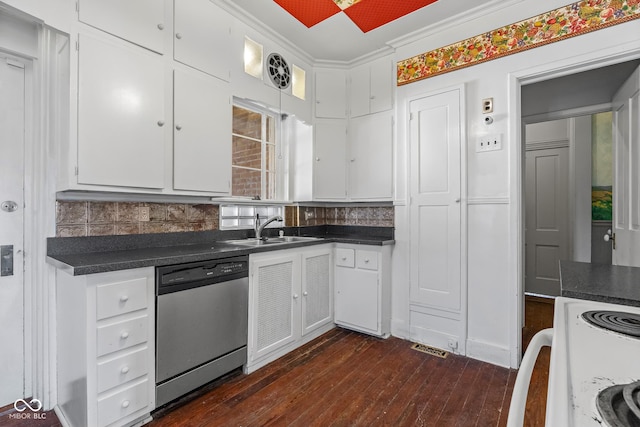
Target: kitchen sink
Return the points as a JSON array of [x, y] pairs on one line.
[[272, 241]]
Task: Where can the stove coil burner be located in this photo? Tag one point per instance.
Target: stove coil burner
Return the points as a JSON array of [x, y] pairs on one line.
[[617, 321], [619, 405]]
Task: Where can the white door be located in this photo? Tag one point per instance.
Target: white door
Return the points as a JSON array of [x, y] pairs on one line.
[[330, 155], [202, 133], [435, 200], [120, 115], [546, 217], [202, 37], [371, 157], [141, 21], [11, 230], [626, 185]]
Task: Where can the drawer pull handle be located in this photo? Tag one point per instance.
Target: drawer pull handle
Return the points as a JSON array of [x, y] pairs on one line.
[[125, 370], [344, 258], [366, 261], [125, 404], [161, 26], [124, 335], [124, 298]]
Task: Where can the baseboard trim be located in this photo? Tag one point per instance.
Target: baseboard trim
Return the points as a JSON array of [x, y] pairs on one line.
[[488, 352]]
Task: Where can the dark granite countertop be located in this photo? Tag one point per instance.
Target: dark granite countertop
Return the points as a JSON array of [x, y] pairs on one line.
[[88, 255], [600, 282]]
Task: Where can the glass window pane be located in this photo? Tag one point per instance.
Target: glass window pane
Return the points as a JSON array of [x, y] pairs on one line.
[[298, 84], [270, 160], [271, 129], [246, 152], [247, 123], [270, 190], [253, 58], [245, 182]]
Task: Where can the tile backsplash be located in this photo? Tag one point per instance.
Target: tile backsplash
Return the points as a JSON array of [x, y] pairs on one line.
[[88, 218], [375, 216]]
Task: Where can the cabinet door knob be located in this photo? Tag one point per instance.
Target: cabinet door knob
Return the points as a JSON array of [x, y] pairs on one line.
[[366, 261], [161, 27], [305, 293], [125, 404], [344, 258], [178, 127], [353, 160], [124, 370], [317, 159], [295, 296], [160, 123], [178, 36], [124, 298], [124, 335]]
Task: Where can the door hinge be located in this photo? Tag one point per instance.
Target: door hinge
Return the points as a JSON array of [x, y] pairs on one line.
[[410, 116], [75, 170], [77, 7], [77, 45]]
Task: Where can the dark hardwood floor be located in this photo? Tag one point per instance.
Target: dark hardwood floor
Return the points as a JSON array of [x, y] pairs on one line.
[[348, 379], [538, 316]]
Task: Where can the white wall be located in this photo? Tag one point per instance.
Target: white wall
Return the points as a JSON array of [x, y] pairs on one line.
[[494, 185]]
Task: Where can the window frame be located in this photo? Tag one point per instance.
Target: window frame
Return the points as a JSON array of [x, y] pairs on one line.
[[278, 142]]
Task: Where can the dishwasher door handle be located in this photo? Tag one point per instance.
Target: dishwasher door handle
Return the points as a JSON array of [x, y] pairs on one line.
[[544, 338]]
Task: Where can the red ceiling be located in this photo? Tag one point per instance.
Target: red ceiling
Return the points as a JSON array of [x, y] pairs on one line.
[[366, 14]]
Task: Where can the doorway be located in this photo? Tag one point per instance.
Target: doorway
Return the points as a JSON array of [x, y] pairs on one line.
[[12, 296], [566, 173]]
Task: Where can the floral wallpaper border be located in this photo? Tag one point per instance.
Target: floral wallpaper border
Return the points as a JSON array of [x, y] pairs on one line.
[[569, 21]]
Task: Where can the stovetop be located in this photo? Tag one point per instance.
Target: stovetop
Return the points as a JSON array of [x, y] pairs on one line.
[[587, 359]]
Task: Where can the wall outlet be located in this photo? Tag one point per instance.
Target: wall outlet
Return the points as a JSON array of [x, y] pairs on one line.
[[452, 343], [143, 213], [489, 143]]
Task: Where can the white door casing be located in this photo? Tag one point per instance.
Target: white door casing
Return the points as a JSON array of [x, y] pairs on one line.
[[626, 185], [12, 357], [435, 208], [546, 218]]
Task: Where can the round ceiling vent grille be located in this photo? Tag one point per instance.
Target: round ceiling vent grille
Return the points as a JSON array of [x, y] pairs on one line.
[[279, 71]]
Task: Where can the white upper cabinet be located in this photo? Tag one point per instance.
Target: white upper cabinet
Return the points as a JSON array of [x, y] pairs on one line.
[[331, 94], [329, 163], [141, 21], [202, 133], [371, 157], [202, 37], [120, 115], [371, 88]]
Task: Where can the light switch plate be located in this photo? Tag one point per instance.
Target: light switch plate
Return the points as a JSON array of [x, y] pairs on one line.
[[489, 143]]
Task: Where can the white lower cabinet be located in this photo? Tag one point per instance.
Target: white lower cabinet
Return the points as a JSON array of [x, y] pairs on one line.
[[290, 301], [106, 350], [363, 288]]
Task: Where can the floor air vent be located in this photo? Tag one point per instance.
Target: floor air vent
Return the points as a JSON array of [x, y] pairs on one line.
[[430, 350]]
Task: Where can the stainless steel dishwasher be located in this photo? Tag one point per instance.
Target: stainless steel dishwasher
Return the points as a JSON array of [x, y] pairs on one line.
[[201, 323]]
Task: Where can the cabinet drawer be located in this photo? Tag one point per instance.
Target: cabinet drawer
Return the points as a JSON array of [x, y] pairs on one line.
[[121, 335], [367, 260], [114, 407], [345, 257], [126, 368], [121, 297]]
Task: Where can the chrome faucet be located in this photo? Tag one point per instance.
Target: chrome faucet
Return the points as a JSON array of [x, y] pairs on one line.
[[260, 227]]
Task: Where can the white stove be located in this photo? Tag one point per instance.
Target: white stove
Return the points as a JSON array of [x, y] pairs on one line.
[[585, 361]]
